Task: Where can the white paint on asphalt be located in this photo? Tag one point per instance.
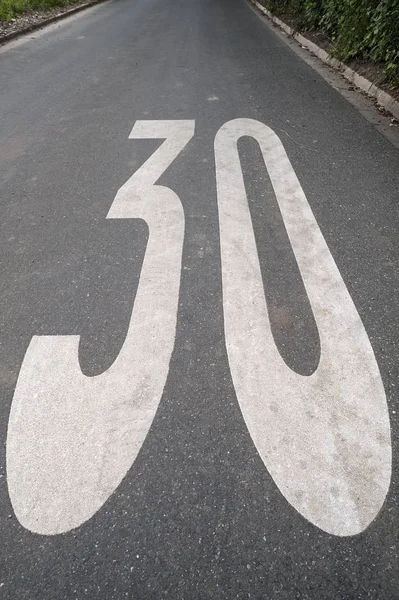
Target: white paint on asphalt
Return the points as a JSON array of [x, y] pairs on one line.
[[71, 438], [325, 439]]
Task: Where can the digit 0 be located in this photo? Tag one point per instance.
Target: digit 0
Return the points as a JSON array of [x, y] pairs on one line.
[[325, 439]]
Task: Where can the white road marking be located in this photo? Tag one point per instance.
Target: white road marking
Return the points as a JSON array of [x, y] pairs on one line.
[[325, 439], [71, 438]]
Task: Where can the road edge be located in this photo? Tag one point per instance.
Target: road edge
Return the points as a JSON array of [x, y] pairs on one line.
[[382, 97], [53, 19]]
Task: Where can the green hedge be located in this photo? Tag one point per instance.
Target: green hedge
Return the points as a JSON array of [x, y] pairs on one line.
[[364, 29]]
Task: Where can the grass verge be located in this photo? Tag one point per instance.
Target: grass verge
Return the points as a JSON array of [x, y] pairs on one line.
[[10, 9]]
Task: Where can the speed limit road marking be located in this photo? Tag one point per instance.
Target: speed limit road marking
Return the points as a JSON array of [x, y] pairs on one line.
[[324, 438]]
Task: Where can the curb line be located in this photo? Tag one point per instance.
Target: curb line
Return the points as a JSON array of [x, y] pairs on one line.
[[383, 98], [35, 26]]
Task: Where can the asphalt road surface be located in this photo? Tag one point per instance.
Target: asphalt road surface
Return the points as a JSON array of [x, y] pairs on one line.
[[199, 278]]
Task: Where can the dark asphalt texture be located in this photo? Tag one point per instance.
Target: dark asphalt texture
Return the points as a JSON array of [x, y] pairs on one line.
[[198, 516]]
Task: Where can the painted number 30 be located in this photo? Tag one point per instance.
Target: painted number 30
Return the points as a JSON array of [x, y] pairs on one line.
[[325, 438]]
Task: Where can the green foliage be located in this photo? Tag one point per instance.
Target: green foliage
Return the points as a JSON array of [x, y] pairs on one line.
[[383, 37], [13, 8], [363, 29]]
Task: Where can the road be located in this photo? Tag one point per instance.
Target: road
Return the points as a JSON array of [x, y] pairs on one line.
[[199, 379]]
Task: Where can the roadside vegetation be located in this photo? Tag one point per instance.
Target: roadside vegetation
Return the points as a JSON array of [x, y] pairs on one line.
[[366, 30], [10, 9]]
